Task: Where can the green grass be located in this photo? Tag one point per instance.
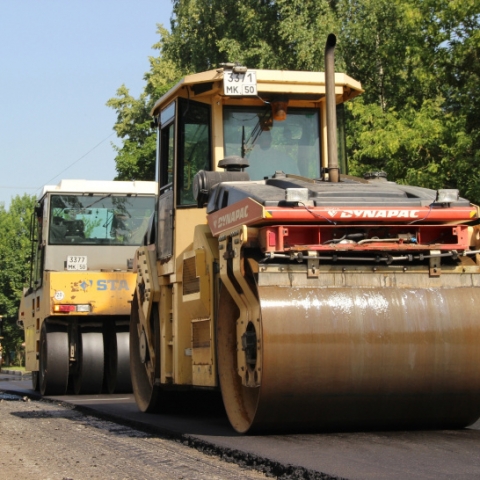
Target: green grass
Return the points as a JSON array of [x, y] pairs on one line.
[[22, 369]]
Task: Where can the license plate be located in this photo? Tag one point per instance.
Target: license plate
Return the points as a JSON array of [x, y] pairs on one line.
[[76, 262], [240, 84]]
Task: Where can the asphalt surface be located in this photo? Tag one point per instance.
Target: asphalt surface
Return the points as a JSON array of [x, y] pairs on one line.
[[202, 423]]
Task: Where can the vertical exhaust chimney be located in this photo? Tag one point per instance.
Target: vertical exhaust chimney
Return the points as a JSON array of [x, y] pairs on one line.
[[333, 170]]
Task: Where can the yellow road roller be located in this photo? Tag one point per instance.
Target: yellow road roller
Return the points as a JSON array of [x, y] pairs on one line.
[[313, 300], [75, 311]]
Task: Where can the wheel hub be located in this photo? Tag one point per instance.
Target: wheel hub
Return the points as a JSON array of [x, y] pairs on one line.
[[143, 347], [249, 345]]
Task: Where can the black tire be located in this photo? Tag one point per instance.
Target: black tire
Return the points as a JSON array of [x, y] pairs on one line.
[[89, 377], [117, 362], [35, 382], [147, 394], [54, 359]]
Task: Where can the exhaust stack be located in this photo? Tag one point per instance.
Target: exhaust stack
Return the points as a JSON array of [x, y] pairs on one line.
[[333, 170]]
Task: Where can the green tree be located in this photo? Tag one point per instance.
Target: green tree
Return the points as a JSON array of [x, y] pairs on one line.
[[418, 62], [15, 251], [281, 34], [396, 125], [135, 159], [205, 33], [419, 117], [460, 21]]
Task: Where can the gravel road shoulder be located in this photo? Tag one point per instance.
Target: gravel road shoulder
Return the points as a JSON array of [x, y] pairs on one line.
[[52, 441]]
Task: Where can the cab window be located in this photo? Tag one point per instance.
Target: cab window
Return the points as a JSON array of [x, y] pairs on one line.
[[292, 145], [194, 147]]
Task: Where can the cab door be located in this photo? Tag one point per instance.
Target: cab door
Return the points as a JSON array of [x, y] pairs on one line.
[[166, 161], [184, 149]]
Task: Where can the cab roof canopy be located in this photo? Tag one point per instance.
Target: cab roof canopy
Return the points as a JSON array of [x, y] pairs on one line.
[[88, 187], [296, 85]]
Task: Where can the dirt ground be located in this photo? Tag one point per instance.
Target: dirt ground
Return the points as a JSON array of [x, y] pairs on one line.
[[49, 441]]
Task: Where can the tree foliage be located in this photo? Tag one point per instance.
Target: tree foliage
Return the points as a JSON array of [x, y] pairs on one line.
[[267, 34], [136, 157], [419, 118], [15, 251]]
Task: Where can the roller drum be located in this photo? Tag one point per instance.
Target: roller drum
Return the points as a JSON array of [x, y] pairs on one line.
[[344, 358]]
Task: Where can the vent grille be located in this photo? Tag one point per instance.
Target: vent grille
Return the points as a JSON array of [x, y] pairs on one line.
[[201, 334], [191, 283]]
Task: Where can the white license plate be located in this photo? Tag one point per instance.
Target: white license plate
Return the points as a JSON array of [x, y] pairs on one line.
[[76, 262], [240, 84]]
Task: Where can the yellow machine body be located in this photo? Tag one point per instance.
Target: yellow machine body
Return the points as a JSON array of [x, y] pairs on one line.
[[88, 294], [311, 305], [75, 312]]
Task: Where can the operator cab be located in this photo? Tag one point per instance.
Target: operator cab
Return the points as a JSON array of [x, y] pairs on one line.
[[272, 120], [75, 217]]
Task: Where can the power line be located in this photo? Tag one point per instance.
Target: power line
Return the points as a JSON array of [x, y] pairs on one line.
[[38, 189], [13, 187], [78, 159], [10, 187]]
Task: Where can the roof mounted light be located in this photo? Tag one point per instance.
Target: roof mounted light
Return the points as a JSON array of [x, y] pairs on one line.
[[239, 69], [447, 195], [236, 67]]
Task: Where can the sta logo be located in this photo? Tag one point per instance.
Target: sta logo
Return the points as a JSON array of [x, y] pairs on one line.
[[112, 285], [103, 285]]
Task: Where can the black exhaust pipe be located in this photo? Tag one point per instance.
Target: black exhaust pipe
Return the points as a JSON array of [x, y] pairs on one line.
[[333, 170]]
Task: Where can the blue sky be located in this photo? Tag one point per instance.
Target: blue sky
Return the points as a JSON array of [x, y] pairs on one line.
[[60, 61]]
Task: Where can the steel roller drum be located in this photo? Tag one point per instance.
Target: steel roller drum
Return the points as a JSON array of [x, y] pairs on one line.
[[348, 358]]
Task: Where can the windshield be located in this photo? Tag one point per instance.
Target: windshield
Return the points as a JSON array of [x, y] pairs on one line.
[[99, 219], [292, 145]]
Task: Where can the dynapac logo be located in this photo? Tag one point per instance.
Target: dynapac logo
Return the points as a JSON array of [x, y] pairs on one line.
[[373, 213], [232, 217], [244, 212]]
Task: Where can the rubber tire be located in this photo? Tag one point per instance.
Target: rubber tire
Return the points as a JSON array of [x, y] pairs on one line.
[[147, 395], [117, 362], [54, 359], [35, 381], [89, 378]]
